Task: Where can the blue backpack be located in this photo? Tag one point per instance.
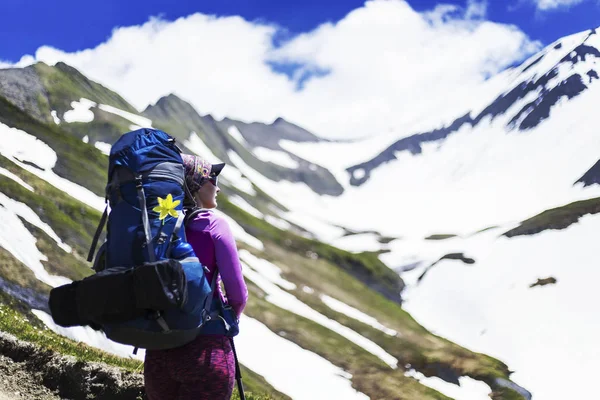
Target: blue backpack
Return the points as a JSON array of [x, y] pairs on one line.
[[146, 248]]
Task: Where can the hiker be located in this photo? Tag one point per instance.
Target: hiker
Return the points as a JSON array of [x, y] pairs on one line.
[[204, 368]]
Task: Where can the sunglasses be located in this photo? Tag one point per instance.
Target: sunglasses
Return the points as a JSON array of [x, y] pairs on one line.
[[213, 179]]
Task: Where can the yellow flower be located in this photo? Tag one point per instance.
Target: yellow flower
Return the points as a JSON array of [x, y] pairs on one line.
[[166, 207]]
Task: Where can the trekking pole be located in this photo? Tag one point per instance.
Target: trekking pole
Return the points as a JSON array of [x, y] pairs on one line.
[[238, 373]]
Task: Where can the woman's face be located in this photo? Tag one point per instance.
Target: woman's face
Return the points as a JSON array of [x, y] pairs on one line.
[[206, 196]]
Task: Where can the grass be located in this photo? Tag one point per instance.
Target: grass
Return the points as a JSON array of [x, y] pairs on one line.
[[257, 388], [249, 396], [441, 236], [556, 218], [505, 394]]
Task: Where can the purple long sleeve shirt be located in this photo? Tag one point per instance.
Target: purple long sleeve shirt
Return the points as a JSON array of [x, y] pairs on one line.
[[214, 244]]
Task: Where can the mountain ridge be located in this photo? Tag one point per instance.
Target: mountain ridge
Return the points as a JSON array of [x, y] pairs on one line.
[[529, 116]]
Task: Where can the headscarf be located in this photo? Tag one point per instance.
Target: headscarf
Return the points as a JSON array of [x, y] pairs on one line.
[[197, 172]]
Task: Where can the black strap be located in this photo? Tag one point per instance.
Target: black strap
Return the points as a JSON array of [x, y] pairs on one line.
[[238, 372], [145, 219], [175, 233], [213, 286], [99, 230], [190, 214]]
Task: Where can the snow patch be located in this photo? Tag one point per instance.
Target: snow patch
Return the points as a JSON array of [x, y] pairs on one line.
[[308, 290], [358, 243], [293, 196], [244, 205], [87, 335], [230, 173], [323, 230], [196, 144], [276, 157], [20, 242], [235, 133], [55, 117], [358, 173], [15, 178], [239, 233], [25, 147], [289, 302], [356, 314], [484, 314], [103, 147], [468, 388], [288, 367], [278, 222], [267, 269], [81, 111], [133, 118]]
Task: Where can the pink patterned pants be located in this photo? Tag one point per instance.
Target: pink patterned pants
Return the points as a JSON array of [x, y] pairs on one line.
[[201, 370]]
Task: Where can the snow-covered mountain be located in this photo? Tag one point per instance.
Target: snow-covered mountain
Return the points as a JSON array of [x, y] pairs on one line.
[[523, 150], [480, 227], [494, 215]]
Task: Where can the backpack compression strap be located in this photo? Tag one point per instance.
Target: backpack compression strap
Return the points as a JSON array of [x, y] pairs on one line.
[[175, 234], [145, 220], [97, 234]]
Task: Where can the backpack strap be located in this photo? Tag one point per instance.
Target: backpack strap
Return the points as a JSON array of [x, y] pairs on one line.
[[207, 314], [175, 234], [192, 213], [99, 230], [145, 220]]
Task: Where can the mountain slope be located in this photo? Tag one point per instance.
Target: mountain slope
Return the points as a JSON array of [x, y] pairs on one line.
[[292, 279], [509, 191]]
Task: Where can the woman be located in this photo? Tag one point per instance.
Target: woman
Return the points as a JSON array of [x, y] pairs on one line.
[[204, 368]]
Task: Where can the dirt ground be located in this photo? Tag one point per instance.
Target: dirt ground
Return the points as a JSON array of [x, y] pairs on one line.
[[17, 383], [31, 373]]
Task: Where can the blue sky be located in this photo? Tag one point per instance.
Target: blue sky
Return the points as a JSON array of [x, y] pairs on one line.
[[72, 25], [380, 67]]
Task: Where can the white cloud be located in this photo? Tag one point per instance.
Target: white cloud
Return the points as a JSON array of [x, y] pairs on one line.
[[476, 9], [546, 5], [388, 66], [23, 62]]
